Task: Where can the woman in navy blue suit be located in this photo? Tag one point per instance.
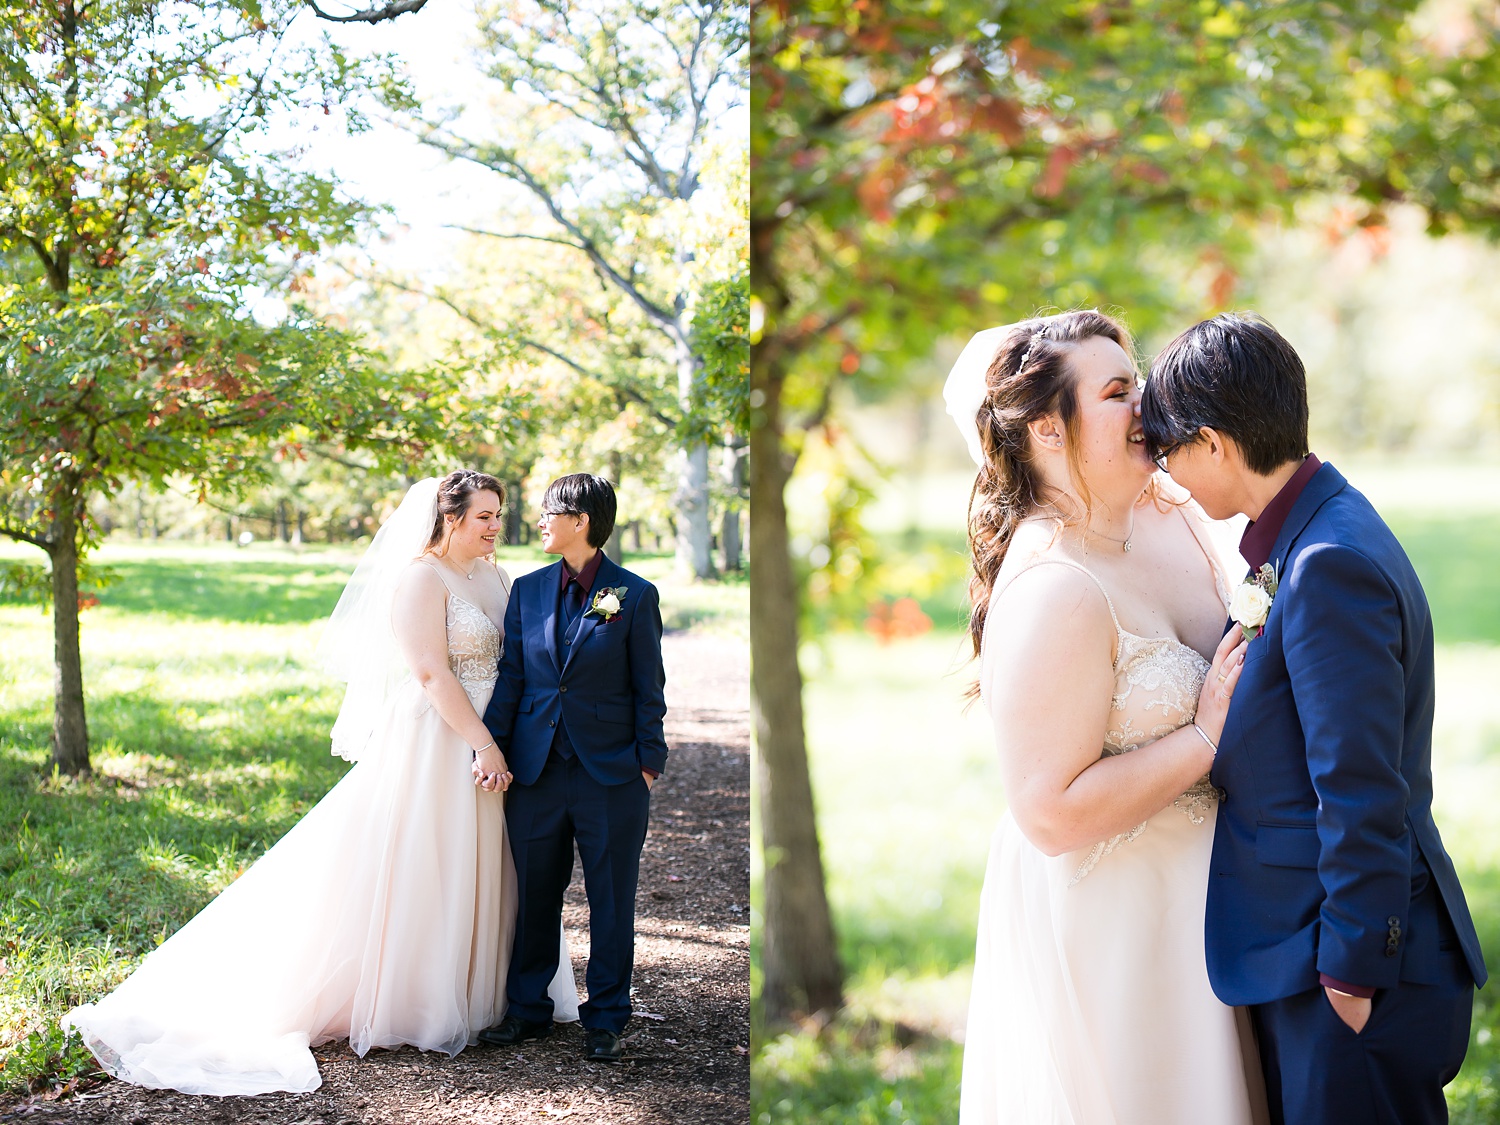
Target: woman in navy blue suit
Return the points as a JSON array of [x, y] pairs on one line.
[[1333, 910], [577, 712]]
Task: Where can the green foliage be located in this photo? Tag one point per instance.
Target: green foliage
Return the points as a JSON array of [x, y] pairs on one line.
[[25, 584], [48, 1056], [579, 297], [139, 217], [141, 376], [721, 336], [919, 172]]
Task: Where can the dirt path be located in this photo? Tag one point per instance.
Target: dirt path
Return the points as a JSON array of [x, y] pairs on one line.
[[686, 1051]]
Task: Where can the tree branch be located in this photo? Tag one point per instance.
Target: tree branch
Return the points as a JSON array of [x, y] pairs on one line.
[[370, 15], [537, 345], [618, 388], [501, 234], [24, 537], [508, 166]]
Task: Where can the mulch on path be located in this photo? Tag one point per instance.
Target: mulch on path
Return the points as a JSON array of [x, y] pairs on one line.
[[686, 1049]]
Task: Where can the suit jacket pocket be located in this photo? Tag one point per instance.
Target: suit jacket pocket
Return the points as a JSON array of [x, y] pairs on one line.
[[527, 703], [1287, 845], [615, 713]]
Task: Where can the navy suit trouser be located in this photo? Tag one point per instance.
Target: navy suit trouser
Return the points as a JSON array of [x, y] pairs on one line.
[[543, 820], [1319, 1072]]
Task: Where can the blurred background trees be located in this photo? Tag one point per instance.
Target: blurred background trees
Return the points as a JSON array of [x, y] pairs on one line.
[[205, 333], [924, 171]]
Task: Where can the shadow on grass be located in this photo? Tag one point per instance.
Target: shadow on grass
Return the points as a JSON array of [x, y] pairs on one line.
[[174, 811]]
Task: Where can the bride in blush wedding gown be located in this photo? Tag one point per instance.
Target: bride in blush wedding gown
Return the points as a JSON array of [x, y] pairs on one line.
[[1098, 612], [386, 914]]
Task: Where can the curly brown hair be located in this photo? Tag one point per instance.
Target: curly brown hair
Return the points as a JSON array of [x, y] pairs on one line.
[[1029, 378]]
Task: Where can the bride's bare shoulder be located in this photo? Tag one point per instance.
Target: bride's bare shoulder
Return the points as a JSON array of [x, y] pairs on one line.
[[1043, 592], [419, 581]]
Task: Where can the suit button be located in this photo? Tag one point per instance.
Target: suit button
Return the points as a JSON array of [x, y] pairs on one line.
[[553, 723], [1390, 951], [562, 689], [1393, 921], [568, 640]]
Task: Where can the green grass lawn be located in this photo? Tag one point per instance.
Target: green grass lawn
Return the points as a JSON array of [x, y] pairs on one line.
[[209, 728], [908, 795]]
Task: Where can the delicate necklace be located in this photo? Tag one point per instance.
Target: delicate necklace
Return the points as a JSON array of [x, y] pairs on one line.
[[1124, 544], [469, 574]]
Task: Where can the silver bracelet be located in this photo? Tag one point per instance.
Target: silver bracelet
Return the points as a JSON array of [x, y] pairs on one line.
[[492, 742], [1204, 735]]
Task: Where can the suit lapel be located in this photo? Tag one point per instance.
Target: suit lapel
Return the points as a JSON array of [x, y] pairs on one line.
[[605, 576], [547, 605]]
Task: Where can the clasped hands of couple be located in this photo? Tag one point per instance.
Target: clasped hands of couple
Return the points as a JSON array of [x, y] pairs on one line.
[[493, 776]]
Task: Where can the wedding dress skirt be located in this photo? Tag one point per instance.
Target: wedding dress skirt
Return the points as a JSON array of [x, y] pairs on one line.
[[384, 916], [1091, 1003]]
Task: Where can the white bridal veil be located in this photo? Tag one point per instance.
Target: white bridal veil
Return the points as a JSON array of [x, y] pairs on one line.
[[359, 645]]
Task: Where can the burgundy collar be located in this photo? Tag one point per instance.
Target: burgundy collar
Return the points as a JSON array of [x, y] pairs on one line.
[[585, 577], [1260, 536]]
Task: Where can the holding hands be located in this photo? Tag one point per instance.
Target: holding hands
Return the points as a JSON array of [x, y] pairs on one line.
[[490, 771]]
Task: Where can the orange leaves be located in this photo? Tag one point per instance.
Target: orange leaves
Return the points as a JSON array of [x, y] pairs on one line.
[[1054, 176], [1000, 116], [1030, 59], [889, 621], [928, 112], [876, 189]]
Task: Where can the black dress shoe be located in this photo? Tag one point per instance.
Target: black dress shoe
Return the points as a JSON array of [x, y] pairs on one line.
[[513, 1029], [600, 1045]]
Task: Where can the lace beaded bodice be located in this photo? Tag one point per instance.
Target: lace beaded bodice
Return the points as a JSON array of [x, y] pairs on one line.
[[473, 648], [1157, 681]]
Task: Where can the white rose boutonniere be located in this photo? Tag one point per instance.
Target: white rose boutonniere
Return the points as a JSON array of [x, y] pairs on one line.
[[607, 603], [1250, 604]]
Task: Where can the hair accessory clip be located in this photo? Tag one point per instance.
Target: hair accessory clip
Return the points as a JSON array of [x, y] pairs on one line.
[[1037, 335]]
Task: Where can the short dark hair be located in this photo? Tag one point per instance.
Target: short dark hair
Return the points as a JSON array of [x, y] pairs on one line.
[[1235, 374], [583, 494]]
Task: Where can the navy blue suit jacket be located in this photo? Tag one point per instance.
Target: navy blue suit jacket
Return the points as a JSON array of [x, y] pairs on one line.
[[607, 686], [1325, 764]]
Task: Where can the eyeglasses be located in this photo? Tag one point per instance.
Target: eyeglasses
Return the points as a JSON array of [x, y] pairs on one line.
[[548, 513], [1161, 455]]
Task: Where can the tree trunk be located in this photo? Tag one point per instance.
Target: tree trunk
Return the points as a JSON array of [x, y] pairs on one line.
[[799, 960], [513, 513], [734, 481], [70, 731], [694, 536]]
